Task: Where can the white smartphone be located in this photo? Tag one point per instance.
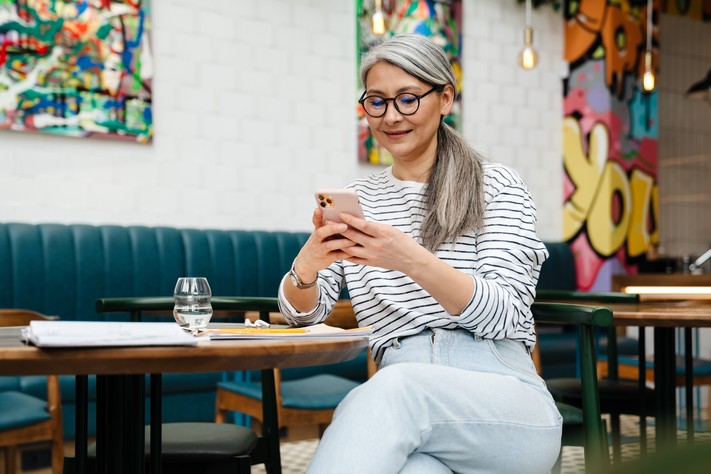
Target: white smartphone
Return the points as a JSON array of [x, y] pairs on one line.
[[333, 202]]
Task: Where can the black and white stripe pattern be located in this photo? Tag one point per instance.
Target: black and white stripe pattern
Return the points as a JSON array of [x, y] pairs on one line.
[[504, 259]]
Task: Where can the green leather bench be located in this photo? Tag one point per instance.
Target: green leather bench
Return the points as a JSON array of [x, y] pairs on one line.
[[62, 270]]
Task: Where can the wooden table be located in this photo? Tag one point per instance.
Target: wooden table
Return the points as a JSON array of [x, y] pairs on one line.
[[125, 368], [664, 317]]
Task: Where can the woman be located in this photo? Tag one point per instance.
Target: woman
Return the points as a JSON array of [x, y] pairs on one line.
[[444, 267]]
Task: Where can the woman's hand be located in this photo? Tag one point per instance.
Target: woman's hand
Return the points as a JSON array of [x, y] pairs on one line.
[[323, 247], [382, 245]]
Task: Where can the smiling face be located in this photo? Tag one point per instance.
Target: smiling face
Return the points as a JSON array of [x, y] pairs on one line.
[[412, 139]]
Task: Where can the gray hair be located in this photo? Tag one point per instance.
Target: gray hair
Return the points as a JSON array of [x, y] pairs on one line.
[[455, 199]]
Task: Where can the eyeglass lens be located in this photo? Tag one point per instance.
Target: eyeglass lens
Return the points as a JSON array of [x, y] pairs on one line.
[[406, 104]]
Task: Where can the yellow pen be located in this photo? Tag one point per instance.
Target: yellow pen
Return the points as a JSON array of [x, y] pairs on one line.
[[258, 331]]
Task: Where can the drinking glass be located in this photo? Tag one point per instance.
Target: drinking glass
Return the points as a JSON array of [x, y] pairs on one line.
[[192, 310]]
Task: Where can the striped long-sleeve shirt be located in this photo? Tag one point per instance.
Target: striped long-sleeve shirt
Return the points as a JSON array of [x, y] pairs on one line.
[[504, 258]]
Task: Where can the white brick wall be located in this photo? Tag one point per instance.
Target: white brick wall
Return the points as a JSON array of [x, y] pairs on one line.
[[254, 107]]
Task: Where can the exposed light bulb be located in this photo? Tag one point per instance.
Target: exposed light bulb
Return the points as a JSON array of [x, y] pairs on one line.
[[528, 57], [378, 19], [648, 79], [378, 22]]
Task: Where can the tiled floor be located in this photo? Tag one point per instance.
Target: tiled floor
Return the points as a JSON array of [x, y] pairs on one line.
[[297, 454]]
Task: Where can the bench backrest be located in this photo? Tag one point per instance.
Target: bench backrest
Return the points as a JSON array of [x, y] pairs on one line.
[[558, 271], [63, 269]]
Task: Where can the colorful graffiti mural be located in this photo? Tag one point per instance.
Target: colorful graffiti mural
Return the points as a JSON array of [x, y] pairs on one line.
[[77, 68], [439, 20], [610, 133]]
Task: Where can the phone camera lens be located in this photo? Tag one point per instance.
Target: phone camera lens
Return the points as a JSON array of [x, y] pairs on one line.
[[323, 204]]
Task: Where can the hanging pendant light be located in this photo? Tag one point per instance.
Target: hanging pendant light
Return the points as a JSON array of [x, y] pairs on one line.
[[528, 57], [648, 78], [378, 19]]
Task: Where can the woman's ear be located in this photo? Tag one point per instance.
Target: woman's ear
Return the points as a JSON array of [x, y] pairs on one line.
[[446, 99]]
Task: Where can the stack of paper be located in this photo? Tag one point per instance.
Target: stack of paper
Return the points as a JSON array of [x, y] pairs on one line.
[[99, 333], [319, 331]]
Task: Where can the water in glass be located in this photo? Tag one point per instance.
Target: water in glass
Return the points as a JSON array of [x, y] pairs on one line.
[[192, 310]]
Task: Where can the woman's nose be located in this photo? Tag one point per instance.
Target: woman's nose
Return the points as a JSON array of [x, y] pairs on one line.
[[392, 115]]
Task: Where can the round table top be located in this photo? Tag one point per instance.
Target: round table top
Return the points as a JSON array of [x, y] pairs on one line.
[[19, 358], [690, 313]]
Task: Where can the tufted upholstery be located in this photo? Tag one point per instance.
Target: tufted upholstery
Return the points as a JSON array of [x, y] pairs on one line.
[[63, 269]]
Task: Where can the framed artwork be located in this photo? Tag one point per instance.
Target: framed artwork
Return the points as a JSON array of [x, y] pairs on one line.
[[441, 20], [77, 68]]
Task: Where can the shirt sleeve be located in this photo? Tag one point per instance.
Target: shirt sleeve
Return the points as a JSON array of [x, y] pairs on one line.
[[509, 259], [329, 283]]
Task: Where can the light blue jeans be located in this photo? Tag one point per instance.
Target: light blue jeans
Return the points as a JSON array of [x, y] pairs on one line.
[[445, 401]]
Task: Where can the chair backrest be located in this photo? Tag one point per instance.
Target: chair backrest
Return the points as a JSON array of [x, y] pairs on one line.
[[586, 318], [53, 430], [19, 317], [23, 317]]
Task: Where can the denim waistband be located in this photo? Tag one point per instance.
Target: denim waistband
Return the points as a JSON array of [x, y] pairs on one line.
[[462, 349]]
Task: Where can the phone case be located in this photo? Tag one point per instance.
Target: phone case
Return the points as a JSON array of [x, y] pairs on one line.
[[333, 202]]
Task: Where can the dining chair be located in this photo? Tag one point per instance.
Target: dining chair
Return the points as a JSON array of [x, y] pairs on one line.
[[628, 369], [587, 319], [26, 419], [305, 396], [209, 447], [617, 396], [302, 401], [573, 432]]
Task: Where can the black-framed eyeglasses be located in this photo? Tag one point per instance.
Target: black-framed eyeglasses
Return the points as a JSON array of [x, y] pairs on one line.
[[405, 103]]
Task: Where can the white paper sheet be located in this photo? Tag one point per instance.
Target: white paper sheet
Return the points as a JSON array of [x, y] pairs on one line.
[[101, 333]]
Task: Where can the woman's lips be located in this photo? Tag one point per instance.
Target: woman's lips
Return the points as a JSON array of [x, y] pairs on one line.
[[394, 135]]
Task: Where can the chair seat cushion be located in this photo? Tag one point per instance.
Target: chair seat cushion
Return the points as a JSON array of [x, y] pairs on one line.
[[318, 392], [616, 396], [573, 429], [194, 442], [18, 409], [571, 415], [36, 385], [701, 367]]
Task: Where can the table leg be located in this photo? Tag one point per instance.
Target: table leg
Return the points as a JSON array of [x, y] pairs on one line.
[[689, 384], [642, 370], [664, 386], [271, 422], [156, 423], [120, 423], [81, 389]]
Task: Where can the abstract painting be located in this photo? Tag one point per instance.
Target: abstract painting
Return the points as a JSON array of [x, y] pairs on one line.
[[439, 20], [79, 68]]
